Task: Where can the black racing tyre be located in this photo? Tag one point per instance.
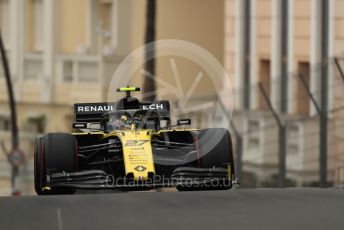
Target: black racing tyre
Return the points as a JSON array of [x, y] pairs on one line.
[[56, 152], [221, 152], [38, 170], [215, 150]]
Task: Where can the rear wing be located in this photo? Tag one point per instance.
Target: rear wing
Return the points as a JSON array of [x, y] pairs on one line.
[[92, 112]]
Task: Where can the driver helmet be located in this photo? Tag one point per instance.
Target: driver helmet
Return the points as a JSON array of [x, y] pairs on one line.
[[125, 121], [121, 122]]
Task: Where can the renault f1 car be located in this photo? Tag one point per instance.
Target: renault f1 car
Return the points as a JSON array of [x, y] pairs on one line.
[[131, 145]]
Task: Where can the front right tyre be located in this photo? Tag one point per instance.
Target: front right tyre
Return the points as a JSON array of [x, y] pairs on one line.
[[54, 152]]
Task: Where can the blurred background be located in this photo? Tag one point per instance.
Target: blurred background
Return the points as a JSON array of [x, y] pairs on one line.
[[284, 59]]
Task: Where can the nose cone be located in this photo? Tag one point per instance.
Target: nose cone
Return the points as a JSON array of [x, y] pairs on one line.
[[137, 154]]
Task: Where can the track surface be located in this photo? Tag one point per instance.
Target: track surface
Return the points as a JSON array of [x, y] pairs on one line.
[[236, 209]]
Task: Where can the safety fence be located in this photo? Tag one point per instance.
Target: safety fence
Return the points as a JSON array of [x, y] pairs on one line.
[[286, 148]]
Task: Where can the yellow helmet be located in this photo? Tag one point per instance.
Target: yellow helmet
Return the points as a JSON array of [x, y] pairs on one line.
[[124, 118]]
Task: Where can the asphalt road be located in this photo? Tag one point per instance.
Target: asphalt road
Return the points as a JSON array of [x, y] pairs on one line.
[[236, 209]]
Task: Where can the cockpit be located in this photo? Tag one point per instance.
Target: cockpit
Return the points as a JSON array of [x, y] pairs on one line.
[[130, 119]]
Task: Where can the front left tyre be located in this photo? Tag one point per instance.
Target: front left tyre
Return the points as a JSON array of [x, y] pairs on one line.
[[54, 152], [215, 148]]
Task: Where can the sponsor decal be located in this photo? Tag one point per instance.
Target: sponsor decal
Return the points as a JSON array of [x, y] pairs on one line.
[[140, 168], [153, 107], [135, 142], [111, 106], [95, 108]]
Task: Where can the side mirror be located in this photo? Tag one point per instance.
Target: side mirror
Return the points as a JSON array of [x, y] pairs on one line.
[[79, 125], [184, 122]]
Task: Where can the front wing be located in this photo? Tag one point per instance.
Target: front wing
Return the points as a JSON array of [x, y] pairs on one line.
[[182, 176]]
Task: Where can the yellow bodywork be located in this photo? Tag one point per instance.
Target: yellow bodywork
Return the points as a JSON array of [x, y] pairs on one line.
[[137, 149], [137, 153]]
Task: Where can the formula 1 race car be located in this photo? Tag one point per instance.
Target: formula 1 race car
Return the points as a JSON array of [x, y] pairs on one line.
[[131, 145]]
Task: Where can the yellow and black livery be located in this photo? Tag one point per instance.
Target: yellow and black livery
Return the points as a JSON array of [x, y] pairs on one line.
[[131, 144]]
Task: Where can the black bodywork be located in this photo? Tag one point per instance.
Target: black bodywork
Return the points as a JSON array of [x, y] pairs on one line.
[[179, 154]]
